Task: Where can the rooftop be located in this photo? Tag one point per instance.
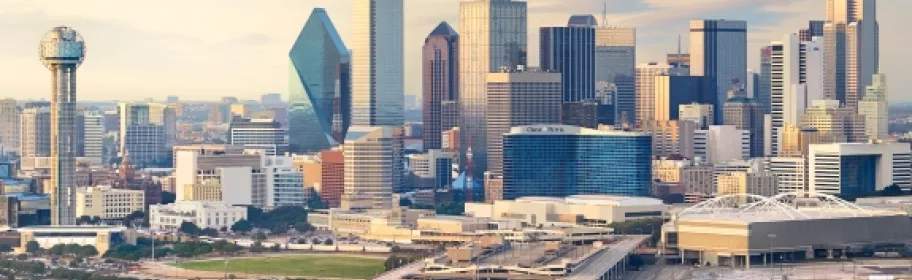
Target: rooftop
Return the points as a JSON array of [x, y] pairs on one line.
[[603, 200], [747, 208]]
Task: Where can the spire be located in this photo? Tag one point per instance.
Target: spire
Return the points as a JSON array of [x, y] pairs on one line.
[[605, 14], [680, 56]]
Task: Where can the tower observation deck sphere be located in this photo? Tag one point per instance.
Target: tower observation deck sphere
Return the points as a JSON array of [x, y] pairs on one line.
[[62, 46]]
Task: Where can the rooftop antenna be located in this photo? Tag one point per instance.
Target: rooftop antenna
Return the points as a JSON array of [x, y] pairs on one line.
[[605, 14]]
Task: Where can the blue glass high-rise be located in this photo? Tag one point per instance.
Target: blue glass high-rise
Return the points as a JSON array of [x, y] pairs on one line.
[[560, 160], [319, 86]]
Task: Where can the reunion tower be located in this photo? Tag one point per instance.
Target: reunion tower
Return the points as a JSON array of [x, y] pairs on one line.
[[62, 51]]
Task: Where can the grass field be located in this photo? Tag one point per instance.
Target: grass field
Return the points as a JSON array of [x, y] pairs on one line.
[[304, 265]]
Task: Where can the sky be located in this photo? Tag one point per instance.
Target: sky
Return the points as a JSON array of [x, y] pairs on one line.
[[206, 49]]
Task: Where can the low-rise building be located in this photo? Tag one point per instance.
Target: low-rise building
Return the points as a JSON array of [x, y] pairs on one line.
[[204, 214], [207, 190], [108, 203], [101, 237], [585, 210]]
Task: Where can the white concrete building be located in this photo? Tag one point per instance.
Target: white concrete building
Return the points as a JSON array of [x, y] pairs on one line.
[[799, 70], [242, 176], [204, 214], [284, 183], [108, 203], [721, 143], [859, 168], [587, 210], [791, 171], [377, 62]]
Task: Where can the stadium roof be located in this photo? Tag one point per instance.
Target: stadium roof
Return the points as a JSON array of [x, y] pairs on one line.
[[605, 200], [748, 208]]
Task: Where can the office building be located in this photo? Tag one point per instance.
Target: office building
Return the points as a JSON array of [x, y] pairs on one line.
[[9, 126], [834, 124], [208, 190], [763, 184], [671, 138], [853, 169], [645, 87], [440, 84], [284, 183], [718, 51], [431, 170], [615, 70], [672, 92], [681, 60], [790, 171], [107, 202], [588, 114], [35, 134], [516, 99], [721, 143], [377, 63], [144, 132], [93, 138], [852, 36], [320, 86], [814, 29], [332, 177], [701, 114], [262, 134], [697, 181], [570, 51], [746, 114], [241, 174], [797, 79], [875, 110], [62, 51], [373, 167], [493, 35], [764, 86], [203, 214], [558, 161], [241, 110]]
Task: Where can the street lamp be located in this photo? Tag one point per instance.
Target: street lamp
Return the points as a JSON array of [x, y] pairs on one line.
[[771, 236]]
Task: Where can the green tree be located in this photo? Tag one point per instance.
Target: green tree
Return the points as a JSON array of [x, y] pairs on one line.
[[57, 250], [72, 249], [241, 225], [302, 227], [189, 228], [32, 247], [892, 190], [88, 251], [96, 220], [5, 248], [83, 220]]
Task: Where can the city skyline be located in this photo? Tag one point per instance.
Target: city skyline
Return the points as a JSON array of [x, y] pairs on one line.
[[240, 50]]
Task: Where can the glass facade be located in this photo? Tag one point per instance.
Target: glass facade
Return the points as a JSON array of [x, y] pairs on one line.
[[319, 86], [858, 175], [571, 52], [558, 161]]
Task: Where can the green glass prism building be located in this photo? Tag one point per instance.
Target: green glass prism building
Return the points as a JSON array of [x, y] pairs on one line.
[[562, 160], [319, 87]]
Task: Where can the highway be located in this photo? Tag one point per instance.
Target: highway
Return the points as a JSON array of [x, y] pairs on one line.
[[597, 266]]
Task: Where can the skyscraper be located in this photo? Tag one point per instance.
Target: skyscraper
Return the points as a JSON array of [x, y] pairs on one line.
[[852, 48], [670, 92], [814, 29], [9, 126], [874, 108], [615, 70], [143, 133], [493, 36], [265, 134], [718, 50], [571, 52], [746, 114], [35, 142], [93, 137], [62, 51], [319, 86], [377, 63], [645, 87], [440, 83], [765, 81], [797, 78], [515, 99], [373, 167]]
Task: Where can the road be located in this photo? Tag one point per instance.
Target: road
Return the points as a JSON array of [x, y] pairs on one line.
[[605, 260]]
